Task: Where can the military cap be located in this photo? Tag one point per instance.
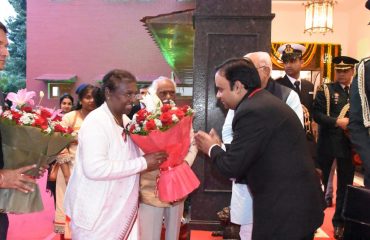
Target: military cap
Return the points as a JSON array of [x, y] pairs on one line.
[[344, 62], [291, 51]]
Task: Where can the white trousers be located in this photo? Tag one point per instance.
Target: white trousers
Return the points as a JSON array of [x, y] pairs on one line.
[[246, 231], [151, 219]]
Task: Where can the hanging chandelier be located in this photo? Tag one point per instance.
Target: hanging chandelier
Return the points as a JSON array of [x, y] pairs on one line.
[[319, 16]]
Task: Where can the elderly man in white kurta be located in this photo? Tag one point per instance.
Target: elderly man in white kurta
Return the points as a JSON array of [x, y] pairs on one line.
[[152, 210]]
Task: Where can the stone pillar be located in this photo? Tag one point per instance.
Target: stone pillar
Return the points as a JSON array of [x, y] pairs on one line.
[[223, 29]]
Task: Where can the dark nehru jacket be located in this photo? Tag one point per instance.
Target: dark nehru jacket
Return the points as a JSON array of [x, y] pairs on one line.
[[270, 154]]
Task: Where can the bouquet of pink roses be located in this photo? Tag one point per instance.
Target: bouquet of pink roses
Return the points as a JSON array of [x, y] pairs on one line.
[[167, 128], [29, 136]]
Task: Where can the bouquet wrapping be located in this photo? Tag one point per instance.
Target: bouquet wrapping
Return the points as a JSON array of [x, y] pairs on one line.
[[22, 146], [176, 179], [29, 137]]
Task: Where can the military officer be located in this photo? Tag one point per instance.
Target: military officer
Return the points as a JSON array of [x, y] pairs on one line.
[[359, 116], [291, 55], [331, 113]]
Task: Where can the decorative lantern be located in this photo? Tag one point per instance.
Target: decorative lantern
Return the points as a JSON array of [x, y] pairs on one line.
[[319, 16]]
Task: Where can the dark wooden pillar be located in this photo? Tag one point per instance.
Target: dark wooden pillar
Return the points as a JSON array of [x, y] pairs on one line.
[[223, 29]]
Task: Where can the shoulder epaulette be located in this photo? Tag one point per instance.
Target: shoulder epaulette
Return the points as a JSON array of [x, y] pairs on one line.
[[327, 98], [321, 87], [362, 92]]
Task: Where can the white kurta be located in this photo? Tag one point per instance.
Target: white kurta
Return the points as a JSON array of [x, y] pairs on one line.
[[103, 188]]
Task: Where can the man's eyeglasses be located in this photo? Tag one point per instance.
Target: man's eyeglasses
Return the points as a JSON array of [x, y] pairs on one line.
[[165, 93]]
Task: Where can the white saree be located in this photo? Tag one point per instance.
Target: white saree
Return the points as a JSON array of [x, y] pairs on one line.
[[102, 194]]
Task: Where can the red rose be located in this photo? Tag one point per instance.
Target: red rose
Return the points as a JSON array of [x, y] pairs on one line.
[[185, 108], [61, 129], [57, 118], [141, 115], [45, 113], [165, 108], [41, 122], [178, 112], [26, 109], [166, 118], [150, 125], [16, 115], [132, 128], [68, 130]]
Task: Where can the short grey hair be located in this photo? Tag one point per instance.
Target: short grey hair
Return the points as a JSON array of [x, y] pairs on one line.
[[154, 86], [263, 59]]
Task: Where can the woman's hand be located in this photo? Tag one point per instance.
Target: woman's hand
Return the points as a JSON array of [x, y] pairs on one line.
[[154, 160]]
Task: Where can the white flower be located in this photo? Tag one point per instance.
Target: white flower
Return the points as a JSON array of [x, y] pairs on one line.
[[175, 119], [48, 130], [151, 102], [27, 119], [137, 128], [7, 114], [158, 123]]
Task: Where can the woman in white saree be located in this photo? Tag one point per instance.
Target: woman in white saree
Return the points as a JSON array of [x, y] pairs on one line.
[[102, 194]]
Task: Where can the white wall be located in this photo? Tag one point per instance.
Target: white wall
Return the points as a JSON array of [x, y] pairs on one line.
[[350, 26]]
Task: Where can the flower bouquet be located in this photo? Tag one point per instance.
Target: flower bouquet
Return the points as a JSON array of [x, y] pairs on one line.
[[29, 136], [167, 128]]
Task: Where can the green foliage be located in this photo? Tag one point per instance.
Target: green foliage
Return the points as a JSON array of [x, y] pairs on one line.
[[14, 75], [11, 83]]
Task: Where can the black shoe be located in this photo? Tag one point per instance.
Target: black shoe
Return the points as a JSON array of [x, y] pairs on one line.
[[338, 232], [329, 202]]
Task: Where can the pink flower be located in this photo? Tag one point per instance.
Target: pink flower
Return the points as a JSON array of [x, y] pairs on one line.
[[41, 117], [21, 98]]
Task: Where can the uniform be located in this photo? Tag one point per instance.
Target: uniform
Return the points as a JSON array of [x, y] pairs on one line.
[[332, 103], [359, 121], [305, 89]]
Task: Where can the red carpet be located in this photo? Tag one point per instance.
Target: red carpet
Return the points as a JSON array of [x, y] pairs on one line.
[[39, 226]]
